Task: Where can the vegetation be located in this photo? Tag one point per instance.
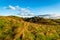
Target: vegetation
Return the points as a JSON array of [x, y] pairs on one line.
[[36, 28], [40, 20]]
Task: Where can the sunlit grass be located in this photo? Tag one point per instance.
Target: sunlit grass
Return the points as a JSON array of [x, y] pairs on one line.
[[15, 28]]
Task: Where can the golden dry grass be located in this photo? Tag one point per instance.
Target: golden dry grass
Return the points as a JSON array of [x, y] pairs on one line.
[[15, 28]]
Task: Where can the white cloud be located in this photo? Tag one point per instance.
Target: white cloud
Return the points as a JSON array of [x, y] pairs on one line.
[[17, 7], [22, 11], [25, 12], [11, 7]]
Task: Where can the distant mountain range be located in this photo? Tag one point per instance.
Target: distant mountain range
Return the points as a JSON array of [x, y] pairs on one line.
[[49, 16]]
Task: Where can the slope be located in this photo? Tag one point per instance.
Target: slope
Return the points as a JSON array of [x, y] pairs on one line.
[[15, 28]]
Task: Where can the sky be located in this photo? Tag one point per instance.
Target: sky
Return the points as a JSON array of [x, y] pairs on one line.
[[29, 7]]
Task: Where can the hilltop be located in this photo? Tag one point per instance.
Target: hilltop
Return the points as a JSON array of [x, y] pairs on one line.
[[35, 28]]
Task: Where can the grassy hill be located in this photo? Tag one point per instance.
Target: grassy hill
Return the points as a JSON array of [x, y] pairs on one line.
[[16, 28]]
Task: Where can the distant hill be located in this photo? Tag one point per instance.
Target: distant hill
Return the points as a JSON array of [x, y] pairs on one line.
[[40, 20], [35, 28]]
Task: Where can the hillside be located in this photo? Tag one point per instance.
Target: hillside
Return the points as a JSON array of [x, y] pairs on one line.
[[16, 28], [40, 20]]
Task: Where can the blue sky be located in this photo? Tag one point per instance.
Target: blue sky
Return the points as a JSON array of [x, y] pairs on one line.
[[29, 7]]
